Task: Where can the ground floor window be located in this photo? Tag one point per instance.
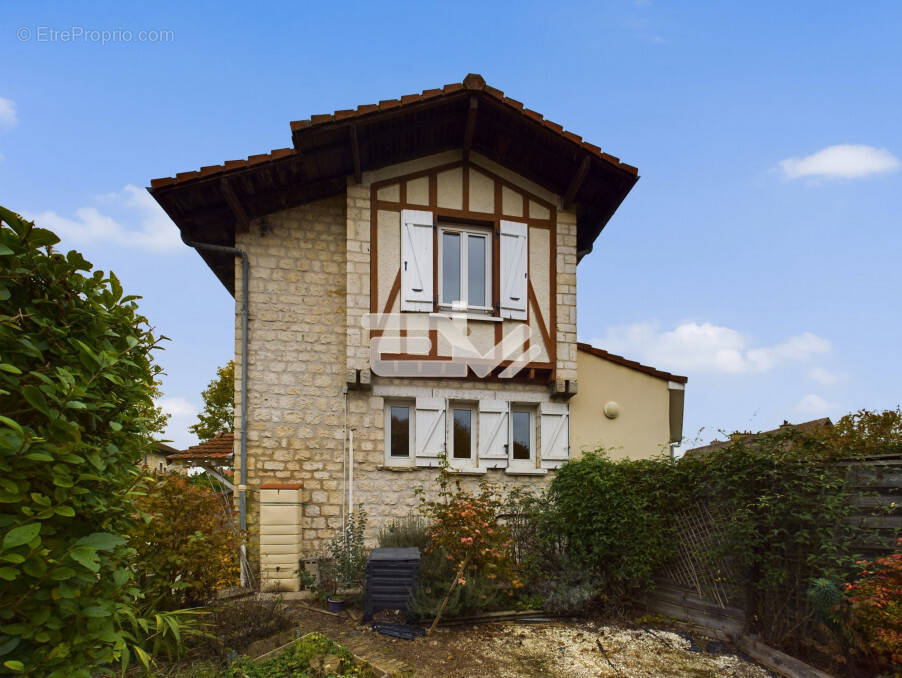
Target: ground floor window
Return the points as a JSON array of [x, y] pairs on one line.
[[476, 435], [523, 438], [463, 436], [399, 433]]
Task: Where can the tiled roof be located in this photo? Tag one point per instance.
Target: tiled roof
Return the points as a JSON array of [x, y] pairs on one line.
[[473, 82], [219, 447], [632, 364], [208, 170]]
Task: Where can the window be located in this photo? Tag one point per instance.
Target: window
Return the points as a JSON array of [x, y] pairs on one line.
[[523, 439], [463, 437], [465, 268], [399, 434]]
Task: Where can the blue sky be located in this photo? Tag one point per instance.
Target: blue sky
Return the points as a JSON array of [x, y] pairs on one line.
[[758, 254]]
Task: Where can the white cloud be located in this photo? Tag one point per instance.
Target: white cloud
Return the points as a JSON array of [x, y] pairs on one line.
[[842, 161], [814, 405], [182, 413], [822, 376], [693, 347], [8, 117], [144, 224]]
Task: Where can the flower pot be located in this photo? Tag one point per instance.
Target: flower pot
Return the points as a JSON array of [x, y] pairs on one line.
[[336, 604]]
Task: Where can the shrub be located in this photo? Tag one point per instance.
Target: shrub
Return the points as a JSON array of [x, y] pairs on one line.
[[467, 564], [76, 387], [313, 655], [187, 547], [347, 566], [611, 519], [874, 609], [238, 623], [410, 531]]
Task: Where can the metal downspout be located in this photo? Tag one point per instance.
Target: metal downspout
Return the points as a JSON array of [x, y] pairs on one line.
[[245, 269]]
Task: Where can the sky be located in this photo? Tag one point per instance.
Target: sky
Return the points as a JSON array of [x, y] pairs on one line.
[[758, 254]]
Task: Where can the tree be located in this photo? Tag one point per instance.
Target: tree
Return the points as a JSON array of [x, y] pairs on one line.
[[219, 405], [76, 388]]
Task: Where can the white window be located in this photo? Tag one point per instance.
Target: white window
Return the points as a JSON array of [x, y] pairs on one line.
[[465, 268], [399, 433], [522, 438], [462, 438]]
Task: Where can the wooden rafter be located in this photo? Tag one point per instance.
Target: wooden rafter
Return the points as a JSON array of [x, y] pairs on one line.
[[471, 126], [577, 181], [241, 219], [355, 154]]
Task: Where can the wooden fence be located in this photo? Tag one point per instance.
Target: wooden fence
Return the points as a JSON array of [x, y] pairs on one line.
[[701, 594]]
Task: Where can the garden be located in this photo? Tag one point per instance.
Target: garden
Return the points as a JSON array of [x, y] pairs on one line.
[[105, 570]]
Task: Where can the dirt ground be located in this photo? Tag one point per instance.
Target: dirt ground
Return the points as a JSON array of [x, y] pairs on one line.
[[541, 650]]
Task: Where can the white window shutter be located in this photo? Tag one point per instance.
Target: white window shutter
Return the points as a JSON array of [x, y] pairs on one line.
[[555, 422], [513, 262], [493, 432], [416, 260], [429, 429]]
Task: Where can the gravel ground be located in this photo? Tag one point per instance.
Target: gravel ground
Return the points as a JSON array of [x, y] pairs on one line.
[[591, 651], [556, 649]]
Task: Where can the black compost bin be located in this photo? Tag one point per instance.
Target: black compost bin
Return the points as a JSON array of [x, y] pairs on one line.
[[391, 577]]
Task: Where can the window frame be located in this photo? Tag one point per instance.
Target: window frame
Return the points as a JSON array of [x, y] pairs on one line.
[[532, 462], [465, 230], [410, 459], [472, 461]]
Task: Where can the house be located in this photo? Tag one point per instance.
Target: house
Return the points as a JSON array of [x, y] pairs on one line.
[[405, 285], [156, 460], [813, 427], [213, 456]]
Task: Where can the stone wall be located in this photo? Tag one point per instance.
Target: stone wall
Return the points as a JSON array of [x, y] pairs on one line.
[[309, 287], [296, 365]]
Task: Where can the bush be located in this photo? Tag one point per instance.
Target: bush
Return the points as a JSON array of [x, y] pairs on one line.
[[346, 568], [76, 387], [466, 565], [235, 624], [410, 531], [874, 609], [314, 656], [612, 520], [187, 547]]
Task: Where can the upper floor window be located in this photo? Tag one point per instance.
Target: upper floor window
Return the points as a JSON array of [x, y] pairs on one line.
[[465, 268], [468, 269]]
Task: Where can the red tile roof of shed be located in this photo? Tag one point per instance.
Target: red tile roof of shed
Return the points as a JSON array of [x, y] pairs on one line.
[[219, 447]]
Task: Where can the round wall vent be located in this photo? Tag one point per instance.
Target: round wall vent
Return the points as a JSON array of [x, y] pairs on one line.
[[611, 410]]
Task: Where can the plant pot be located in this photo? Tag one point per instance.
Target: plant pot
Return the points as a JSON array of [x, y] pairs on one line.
[[336, 604]]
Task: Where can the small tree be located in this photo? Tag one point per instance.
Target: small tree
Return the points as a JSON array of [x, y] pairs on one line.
[[186, 545], [219, 405], [76, 388]]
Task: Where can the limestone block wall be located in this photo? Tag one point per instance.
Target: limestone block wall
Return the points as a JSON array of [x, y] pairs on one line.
[[388, 493], [296, 365], [566, 296]]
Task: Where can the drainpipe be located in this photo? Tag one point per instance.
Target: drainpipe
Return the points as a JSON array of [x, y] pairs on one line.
[[245, 269]]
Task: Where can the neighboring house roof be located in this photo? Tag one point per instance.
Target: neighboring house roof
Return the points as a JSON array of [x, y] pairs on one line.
[[218, 448], [164, 449], [632, 364], [812, 426], [210, 204]]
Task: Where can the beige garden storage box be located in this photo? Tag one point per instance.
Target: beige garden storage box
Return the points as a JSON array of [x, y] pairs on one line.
[[280, 536]]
